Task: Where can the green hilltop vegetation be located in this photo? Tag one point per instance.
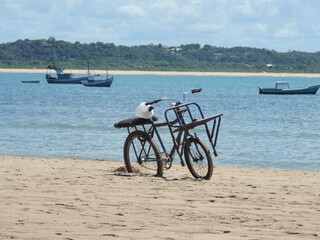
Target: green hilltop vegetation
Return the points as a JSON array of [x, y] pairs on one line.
[[190, 57]]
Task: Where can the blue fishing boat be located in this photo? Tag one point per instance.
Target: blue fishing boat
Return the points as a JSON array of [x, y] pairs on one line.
[[97, 81], [283, 88], [61, 77]]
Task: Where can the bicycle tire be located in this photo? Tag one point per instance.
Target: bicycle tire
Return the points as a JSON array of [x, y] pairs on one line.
[[141, 154], [198, 159]]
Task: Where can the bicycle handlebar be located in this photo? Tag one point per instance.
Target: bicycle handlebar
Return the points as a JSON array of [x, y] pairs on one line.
[[196, 90], [154, 101], [175, 103], [191, 92]]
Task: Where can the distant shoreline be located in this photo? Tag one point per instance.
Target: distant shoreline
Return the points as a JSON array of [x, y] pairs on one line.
[[127, 72]]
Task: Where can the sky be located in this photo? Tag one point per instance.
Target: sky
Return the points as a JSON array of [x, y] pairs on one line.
[[281, 25]]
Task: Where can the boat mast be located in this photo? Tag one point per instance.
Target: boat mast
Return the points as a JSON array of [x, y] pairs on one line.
[[88, 68]]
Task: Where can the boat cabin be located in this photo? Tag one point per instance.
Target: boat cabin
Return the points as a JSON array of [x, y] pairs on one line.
[[282, 85], [65, 76], [60, 73]]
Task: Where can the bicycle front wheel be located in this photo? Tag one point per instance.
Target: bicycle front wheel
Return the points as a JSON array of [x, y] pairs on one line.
[[198, 158], [141, 155]]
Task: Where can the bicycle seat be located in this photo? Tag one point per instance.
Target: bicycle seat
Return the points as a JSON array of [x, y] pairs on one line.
[[131, 122]]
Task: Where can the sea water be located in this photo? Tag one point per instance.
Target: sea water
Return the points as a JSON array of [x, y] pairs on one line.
[[73, 121]]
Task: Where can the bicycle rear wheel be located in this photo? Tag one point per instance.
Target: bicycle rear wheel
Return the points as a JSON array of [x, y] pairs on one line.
[[198, 158], [141, 154]]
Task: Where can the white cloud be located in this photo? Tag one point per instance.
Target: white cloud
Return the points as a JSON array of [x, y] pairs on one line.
[[173, 13], [205, 27], [287, 31], [256, 23], [245, 7], [261, 27], [165, 4], [132, 11], [71, 4]]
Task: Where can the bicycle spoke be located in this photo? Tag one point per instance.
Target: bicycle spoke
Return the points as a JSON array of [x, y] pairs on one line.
[[198, 159], [142, 155]]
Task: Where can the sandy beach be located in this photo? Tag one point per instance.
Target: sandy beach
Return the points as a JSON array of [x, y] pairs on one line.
[[68, 199], [123, 72]]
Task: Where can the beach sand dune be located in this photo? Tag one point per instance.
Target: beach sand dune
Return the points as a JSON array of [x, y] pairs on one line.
[[68, 199]]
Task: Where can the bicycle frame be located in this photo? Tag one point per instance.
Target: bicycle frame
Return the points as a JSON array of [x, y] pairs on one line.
[[187, 126], [181, 126]]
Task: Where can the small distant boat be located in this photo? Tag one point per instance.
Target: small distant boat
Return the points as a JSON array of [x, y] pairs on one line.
[[283, 88], [95, 80], [30, 81], [66, 78]]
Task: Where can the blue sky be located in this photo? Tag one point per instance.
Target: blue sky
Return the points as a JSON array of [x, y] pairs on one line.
[[281, 25]]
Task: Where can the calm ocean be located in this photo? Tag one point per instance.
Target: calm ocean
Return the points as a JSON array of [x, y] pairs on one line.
[[53, 120]]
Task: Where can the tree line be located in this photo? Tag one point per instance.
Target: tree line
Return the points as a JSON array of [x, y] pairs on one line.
[[190, 57]]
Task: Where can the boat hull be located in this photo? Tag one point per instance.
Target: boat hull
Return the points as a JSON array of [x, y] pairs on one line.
[[97, 83], [30, 81], [66, 81], [306, 90]]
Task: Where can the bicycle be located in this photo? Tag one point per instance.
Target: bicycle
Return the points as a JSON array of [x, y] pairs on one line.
[[142, 154]]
